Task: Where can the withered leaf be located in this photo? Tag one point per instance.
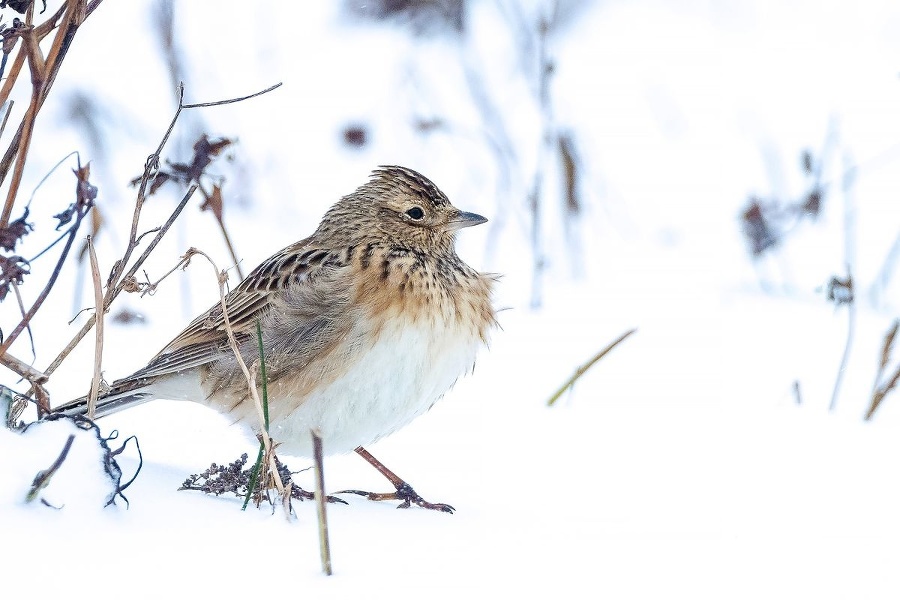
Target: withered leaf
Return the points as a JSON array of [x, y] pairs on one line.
[[840, 291], [211, 148], [757, 228], [204, 151], [12, 270], [65, 216], [20, 6], [158, 181], [15, 231], [213, 202], [85, 192]]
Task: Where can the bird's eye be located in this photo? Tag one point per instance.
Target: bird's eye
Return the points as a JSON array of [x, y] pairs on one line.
[[415, 213]]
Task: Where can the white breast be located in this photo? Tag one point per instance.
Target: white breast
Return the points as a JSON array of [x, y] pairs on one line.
[[394, 380]]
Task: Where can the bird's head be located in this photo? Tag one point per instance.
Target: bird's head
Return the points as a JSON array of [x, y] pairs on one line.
[[404, 207]]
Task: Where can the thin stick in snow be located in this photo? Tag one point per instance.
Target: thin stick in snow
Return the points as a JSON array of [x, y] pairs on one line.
[[321, 501]]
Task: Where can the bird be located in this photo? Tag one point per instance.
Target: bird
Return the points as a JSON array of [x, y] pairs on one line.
[[365, 324]]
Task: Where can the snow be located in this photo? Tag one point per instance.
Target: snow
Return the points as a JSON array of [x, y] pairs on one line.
[[681, 465]]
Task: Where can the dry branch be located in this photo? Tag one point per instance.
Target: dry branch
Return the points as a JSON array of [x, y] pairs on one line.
[[584, 368], [43, 74], [879, 392], [81, 210], [99, 314], [42, 479], [112, 293], [117, 282], [841, 292], [321, 501]]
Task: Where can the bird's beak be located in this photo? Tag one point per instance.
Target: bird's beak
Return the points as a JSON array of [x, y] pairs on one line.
[[465, 219]]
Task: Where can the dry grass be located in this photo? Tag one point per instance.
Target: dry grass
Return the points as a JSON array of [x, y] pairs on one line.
[[584, 368], [886, 386]]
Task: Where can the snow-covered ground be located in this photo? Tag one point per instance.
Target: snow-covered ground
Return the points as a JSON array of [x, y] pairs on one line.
[[681, 465]]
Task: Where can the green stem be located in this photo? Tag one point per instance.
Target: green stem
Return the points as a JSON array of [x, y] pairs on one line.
[[254, 474]]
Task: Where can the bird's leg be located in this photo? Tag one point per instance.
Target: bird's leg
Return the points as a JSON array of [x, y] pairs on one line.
[[404, 492]]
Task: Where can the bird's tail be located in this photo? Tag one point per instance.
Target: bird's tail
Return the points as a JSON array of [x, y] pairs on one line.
[[120, 396]]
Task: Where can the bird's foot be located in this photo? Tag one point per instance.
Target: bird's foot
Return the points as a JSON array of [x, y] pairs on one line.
[[407, 494]]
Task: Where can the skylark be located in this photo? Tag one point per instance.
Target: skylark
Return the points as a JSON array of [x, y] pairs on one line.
[[365, 325]]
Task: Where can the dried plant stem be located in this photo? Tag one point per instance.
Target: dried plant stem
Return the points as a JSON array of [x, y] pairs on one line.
[[845, 357], [156, 239], [23, 324], [848, 179], [21, 368], [30, 47], [234, 257], [151, 166], [233, 100], [21, 304], [42, 479], [99, 314], [116, 281], [879, 393], [113, 292], [544, 152], [798, 398], [584, 368], [250, 376], [8, 106], [10, 80], [321, 501], [43, 74]]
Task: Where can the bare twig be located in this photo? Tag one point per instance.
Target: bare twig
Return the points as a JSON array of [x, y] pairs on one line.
[[841, 293], [214, 203], [21, 368], [99, 314], [888, 266], [318, 462], [8, 105], [43, 74], [545, 71], [42, 479], [879, 392], [845, 357], [116, 281], [31, 49], [113, 292], [161, 231], [10, 80], [847, 181], [233, 100], [21, 304], [151, 165], [234, 257], [79, 215], [888, 347], [584, 368]]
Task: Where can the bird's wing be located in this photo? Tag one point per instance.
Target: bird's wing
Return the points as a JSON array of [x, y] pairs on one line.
[[205, 339]]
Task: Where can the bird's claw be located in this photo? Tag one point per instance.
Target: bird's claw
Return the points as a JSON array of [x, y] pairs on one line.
[[404, 492]]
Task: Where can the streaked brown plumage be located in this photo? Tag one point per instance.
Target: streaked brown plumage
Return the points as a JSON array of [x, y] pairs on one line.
[[366, 323]]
